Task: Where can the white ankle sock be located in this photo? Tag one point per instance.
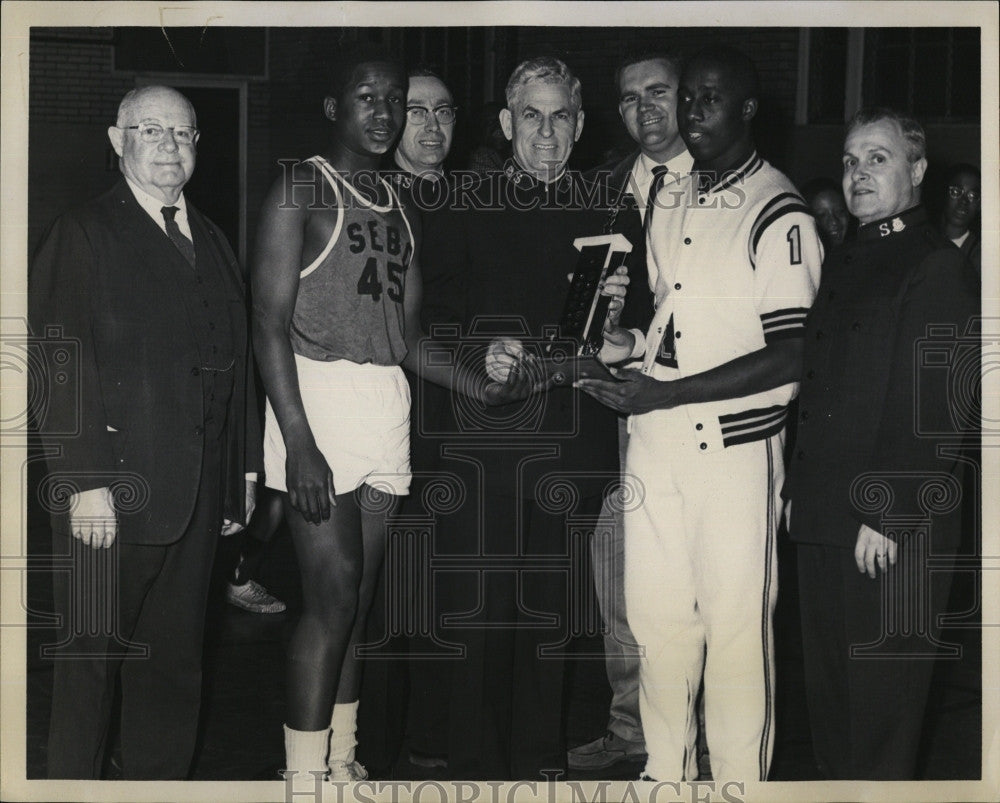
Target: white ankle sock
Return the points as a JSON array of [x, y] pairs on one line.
[[305, 751], [343, 729]]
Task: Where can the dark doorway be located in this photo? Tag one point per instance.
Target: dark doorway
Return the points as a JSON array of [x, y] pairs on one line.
[[215, 187]]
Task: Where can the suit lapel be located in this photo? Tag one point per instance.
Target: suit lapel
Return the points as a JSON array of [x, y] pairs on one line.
[[141, 233], [207, 247], [632, 221], [621, 173], [150, 252]]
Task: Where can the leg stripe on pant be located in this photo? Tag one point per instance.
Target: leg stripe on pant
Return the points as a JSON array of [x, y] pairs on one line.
[[765, 618], [687, 729]]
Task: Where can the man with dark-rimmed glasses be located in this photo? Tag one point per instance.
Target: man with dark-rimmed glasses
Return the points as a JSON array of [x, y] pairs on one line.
[[427, 137]]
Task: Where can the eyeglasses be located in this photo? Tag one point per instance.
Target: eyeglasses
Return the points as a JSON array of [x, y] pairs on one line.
[[958, 192], [418, 114], [153, 132]]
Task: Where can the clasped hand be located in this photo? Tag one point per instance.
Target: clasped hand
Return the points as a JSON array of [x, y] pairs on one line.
[[515, 373]]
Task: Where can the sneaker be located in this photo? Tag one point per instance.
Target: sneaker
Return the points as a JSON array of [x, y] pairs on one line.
[[253, 597], [604, 752], [347, 771]]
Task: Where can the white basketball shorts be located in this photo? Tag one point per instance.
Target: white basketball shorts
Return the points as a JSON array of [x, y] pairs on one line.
[[360, 419]]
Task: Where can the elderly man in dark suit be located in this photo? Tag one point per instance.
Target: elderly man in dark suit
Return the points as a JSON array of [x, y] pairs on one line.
[[153, 296]]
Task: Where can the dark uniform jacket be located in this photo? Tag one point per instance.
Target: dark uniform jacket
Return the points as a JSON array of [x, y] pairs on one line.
[[429, 411], [496, 263], [890, 377]]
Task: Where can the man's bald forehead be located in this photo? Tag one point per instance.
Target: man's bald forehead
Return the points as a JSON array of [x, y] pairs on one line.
[[127, 109]]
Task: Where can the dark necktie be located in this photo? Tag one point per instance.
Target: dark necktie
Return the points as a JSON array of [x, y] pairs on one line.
[[659, 175], [184, 245]]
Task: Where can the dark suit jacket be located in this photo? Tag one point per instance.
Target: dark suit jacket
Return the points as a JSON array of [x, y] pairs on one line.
[[623, 218], [883, 398], [106, 274], [972, 248]]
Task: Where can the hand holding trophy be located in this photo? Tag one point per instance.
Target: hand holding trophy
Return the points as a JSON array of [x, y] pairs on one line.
[[592, 308]]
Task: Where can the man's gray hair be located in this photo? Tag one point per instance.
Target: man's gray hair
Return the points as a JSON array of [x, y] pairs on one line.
[[547, 70], [126, 109], [912, 131]]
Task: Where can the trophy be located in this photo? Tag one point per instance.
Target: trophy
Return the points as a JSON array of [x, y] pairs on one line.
[[586, 310]]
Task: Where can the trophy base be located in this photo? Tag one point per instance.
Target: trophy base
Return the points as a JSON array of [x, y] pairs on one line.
[[564, 371]]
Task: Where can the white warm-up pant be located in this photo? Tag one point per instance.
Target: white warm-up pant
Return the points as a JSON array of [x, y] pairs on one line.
[[700, 588]]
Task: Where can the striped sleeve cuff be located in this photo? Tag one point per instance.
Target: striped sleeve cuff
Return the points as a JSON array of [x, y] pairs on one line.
[[782, 324], [752, 425]]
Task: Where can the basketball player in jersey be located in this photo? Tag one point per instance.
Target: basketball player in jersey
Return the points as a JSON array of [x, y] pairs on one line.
[[336, 293]]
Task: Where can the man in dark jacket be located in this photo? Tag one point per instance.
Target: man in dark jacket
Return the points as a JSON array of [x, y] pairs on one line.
[[152, 295], [497, 263], [873, 491]]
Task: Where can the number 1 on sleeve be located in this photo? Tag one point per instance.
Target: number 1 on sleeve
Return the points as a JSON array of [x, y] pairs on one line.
[[794, 246]]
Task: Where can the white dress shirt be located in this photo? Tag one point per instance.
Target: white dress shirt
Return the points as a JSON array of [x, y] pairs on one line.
[[154, 205], [642, 176]]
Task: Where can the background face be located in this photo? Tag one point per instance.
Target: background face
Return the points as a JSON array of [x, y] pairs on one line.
[[648, 106], [370, 110], [426, 146], [962, 211], [542, 127], [831, 216], [879, 181], [159, 168]]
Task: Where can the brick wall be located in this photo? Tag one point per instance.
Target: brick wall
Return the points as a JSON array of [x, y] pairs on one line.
[[74, 95], [71, 82]]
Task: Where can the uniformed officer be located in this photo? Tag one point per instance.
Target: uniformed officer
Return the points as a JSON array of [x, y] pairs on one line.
[[863, 458]]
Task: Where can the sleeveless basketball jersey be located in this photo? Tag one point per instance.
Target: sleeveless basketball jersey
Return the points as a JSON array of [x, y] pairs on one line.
[[350, 300]]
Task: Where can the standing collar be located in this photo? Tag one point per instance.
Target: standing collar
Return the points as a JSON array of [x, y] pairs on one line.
[[892, 224], [522, 178], [401, 176], [712, 181]]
